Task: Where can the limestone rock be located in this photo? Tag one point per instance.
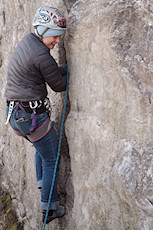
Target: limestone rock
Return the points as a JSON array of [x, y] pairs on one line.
[[107, 182], [109, 127], [17, 164]]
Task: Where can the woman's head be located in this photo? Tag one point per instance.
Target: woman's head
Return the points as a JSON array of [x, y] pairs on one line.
[[51, 41], [49, 22]]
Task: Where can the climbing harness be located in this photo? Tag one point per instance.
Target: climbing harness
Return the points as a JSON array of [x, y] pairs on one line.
[[58, 152], [28, 107], [33, 107]]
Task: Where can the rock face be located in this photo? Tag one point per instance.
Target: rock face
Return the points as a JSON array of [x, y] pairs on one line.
[[16, 155], [109, 127], [109, 183]]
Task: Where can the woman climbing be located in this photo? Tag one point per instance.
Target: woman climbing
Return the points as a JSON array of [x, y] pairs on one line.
[[31, 67]]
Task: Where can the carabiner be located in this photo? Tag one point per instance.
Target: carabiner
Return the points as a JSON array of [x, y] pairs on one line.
[[35, 104]]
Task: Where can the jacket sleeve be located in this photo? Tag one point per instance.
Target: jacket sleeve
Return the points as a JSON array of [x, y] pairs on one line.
[[52, 74], [63, 69]]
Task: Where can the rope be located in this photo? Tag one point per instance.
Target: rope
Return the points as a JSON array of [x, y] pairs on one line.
[[58, 152]]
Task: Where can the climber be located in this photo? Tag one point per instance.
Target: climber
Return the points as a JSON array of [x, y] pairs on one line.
[[28, 109]]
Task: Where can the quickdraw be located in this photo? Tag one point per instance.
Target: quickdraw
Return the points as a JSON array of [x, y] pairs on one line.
[[11, 107]]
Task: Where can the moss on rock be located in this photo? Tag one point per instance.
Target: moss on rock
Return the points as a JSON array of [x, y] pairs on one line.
[[8, 216]]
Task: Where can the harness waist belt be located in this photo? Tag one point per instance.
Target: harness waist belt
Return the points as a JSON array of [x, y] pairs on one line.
[[27, 108]]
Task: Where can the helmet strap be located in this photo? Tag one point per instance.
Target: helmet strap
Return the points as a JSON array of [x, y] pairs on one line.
[[41, 35]]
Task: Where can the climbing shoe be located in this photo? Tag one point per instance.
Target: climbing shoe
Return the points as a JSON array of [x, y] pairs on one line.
[[53, 214]]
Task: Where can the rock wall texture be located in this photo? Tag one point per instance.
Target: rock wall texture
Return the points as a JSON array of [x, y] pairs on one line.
[[16, 155], [107, 182], [109, 127]]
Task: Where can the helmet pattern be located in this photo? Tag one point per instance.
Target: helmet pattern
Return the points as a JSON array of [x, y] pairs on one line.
[[50, 17]]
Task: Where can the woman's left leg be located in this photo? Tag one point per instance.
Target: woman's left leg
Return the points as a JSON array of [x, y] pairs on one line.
[[39, 172], [47, 148]]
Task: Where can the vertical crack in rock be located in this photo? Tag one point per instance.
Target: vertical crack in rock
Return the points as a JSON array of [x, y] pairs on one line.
[[0, 51], [4, 20], [150, 201], [69, 4]]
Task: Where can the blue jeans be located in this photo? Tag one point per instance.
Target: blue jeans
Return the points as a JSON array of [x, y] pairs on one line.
[[45, 157]]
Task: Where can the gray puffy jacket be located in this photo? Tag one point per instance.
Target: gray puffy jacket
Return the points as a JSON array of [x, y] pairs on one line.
[[31, 67]]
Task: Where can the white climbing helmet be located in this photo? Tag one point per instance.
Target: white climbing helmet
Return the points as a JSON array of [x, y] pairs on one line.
[[49, 21]]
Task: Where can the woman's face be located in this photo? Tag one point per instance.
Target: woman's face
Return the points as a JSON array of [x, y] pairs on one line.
[[50, 42]]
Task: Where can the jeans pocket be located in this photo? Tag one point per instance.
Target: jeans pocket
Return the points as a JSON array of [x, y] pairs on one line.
[[21, 117], [21, 121]]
